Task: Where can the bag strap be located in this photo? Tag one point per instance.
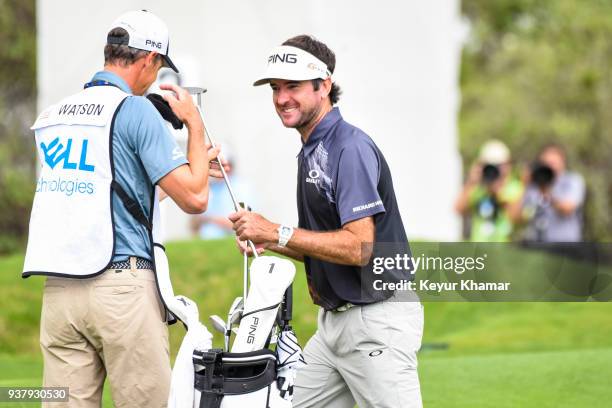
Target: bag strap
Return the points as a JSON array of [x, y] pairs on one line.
[[212, 387], [131, 205]]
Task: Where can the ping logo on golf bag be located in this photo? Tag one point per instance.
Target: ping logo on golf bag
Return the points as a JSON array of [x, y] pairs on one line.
[[288, 58], [56, 152], [252, 330]]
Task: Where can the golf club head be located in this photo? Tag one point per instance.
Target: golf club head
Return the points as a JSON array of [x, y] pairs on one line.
[[194, 90], [218, 323], [197, 92], [237, 304], [235, 311], [235, 317]]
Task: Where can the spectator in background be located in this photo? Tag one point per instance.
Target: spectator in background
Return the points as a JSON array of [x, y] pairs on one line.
[[553, 199], [489, 190]]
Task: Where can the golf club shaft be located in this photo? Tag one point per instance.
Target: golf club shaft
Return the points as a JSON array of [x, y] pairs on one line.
[[198, 92], [245, 276], [220, 160]]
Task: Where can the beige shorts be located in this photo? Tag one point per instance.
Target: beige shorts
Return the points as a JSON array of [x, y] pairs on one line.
[[111, 325], [364, 355]]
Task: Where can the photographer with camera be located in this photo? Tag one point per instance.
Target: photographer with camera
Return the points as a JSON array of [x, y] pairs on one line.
[[488, 191], [553, 199]]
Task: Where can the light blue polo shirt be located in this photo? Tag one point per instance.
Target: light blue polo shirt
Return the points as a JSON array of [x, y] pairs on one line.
[[144, 151]]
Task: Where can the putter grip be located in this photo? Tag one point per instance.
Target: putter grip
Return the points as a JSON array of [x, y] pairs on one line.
[[247, 207]]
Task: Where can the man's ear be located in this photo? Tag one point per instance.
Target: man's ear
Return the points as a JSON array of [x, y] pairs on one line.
[[151, 58], [326, 85]]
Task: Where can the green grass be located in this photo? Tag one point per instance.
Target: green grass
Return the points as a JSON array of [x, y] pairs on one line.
[[530, 379], [486, 328], [559, 379], [493, 354]]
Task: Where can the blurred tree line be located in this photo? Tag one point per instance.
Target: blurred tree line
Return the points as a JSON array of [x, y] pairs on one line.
[[17, 113], [536, 71]]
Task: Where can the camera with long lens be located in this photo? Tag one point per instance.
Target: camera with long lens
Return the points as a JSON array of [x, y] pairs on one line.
[[490, 173], [542, 175]]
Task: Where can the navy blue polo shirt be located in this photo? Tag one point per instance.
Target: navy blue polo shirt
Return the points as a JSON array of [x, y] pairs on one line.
[[343, 177]]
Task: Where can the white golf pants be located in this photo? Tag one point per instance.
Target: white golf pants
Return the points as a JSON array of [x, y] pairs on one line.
[[365, 355]]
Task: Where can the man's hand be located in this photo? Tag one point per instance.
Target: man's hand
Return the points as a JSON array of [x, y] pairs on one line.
[[188, 184], [213, 153], [343, 246], [214, 168], [243, 247], [183, 107], [252, 226], [182, 104]]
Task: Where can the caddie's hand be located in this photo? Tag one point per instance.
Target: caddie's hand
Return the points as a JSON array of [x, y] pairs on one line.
[[213, 153], [214, 168], [182, 104], [243, 247], [252, 226]]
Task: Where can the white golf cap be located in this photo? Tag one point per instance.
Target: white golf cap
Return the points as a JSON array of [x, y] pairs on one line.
[[294, 64], [146, 32], [494, 152]]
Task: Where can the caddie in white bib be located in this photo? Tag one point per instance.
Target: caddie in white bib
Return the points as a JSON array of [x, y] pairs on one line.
[[71, 226]]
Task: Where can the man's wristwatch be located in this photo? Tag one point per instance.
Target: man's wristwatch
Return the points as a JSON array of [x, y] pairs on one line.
[[284, 235]]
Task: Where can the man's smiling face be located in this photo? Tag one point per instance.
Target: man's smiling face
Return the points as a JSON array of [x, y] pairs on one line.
[[296, 102]]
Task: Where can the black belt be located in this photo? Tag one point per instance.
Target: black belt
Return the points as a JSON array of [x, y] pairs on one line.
[[140, 264]]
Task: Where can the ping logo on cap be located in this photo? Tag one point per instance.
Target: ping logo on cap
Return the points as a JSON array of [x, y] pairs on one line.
[[153, 44], [145, 32], [293, 64], [288, 58]]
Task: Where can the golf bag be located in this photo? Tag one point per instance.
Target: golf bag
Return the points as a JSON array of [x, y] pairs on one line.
[[270, 278], [254, 376], [236, 380]]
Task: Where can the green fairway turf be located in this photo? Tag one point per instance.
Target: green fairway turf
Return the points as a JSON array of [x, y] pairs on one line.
[[543, 379], [475, 354], [560, 379]]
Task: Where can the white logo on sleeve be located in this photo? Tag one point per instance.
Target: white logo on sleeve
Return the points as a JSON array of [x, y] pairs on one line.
[[177, 153], [367, 206]]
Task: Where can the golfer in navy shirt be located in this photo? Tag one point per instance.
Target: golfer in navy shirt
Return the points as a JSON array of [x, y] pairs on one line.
[[364, 350]]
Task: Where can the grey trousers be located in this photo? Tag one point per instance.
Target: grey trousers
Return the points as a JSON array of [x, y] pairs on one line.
[[365, 355]]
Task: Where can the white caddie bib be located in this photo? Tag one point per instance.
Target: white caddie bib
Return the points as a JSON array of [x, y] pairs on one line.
[[71, 225]]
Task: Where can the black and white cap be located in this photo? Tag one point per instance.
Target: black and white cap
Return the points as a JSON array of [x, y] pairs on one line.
[[146, 32], [292, 63]]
